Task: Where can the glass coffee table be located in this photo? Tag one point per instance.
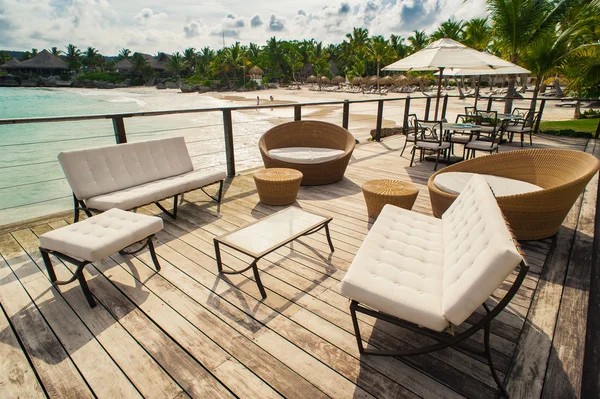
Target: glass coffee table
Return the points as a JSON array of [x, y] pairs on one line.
[[268, 234]]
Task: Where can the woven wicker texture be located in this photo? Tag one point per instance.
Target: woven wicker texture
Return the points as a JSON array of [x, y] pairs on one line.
[[277, 186], [309, 134], [378, 193], [563, 174]]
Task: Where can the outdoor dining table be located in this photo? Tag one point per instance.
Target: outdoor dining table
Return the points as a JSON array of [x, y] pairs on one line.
[[448, 129]]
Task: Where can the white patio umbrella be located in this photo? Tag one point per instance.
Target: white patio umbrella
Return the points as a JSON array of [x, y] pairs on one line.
[[447, 53], [513, 70]]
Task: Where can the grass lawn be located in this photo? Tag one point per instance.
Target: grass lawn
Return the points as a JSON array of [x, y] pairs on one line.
[[579, 125]]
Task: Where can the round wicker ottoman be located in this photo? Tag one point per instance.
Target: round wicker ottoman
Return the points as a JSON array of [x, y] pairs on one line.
[[395, 192], [277, 186]]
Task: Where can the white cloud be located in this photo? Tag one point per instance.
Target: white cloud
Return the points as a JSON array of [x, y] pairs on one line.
[[156, 25]]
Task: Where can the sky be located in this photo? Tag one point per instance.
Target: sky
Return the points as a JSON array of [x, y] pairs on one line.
[[151, 26]]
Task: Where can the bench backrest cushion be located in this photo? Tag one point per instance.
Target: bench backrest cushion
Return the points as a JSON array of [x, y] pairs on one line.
[[94, 171], [479, 251]]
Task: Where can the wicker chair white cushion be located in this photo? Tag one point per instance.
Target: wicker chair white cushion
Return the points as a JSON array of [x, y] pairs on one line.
[[305, 155], [430, 271], [455, 182], [102, 235]]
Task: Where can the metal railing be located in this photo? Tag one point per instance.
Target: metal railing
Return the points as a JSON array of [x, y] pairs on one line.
[[120, 135]]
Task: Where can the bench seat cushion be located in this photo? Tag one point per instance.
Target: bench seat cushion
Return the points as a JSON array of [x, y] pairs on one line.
[[398, 268], [148, 193], [305, 155], [102, 235], [455, 182]]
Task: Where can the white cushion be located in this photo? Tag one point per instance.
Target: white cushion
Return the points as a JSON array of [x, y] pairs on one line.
[[479, 252], [398, 268], [305, 155], [455, 182], [102, 170], [430, 145], [147, 193], [101, 235], [482, 145]]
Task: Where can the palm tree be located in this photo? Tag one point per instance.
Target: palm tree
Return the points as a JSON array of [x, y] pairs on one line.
[[4, 57], [518, 24], [55, 51], [477, 34], [418, 41], [73, 55], [176, 64], [397, 43], [205, 57], [92, 57], [294, 59], [191, 58], [380, 51], [319, 59], [450, 29], [124, 54], [229, 61], [274, 53]]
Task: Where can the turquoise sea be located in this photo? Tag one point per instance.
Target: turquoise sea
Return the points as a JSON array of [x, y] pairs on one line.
[[32, 183]]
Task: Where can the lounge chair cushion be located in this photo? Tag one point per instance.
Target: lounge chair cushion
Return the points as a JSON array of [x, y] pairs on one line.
[[398, 268], [153, 191], [479, 251], [103, 170], [305, 155], [102, 235], [455, 182]]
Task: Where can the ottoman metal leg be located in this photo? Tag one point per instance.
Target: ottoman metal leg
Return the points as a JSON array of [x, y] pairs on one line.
[[150, 246]]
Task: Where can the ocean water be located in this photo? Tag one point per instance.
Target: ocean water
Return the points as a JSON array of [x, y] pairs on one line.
[[32, 182]]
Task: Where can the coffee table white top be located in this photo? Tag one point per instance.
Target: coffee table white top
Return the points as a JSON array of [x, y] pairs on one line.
[[271, 232]]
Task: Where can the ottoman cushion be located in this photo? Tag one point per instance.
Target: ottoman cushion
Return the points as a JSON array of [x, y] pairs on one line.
[[101, 235]]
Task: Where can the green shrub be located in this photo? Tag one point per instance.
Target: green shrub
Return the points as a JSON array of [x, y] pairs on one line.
[[111, 77], [567, 132]]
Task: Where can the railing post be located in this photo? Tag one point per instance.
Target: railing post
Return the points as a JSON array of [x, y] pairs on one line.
[[427, 106], [444, 107], [119, 128], [489, 106], [406, 113], [346, 114], [379, 120], [228, 127], [297, 112], [539, 119], [597, 135]]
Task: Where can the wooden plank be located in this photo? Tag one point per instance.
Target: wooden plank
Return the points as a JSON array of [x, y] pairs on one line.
[[526, 375], [565, 367], [144, 372], [56, 371], [17, 378], [95, 365]]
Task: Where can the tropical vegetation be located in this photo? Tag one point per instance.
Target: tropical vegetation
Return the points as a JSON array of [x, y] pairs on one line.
[[555, 39]]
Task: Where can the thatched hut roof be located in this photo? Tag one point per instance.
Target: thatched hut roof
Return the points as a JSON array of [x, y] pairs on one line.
[[324, 79], [386, 80], [124, 65], [338, 80], [312, 79], [11, 64], [255, 70], [357, 81], [160, 64], [44, 60]]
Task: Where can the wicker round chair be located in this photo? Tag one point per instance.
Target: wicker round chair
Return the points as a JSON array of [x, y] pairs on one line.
[[563, 174], [309, 134]]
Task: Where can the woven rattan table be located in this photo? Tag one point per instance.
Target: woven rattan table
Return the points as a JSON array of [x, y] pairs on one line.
[[378, 193], [277, 186]]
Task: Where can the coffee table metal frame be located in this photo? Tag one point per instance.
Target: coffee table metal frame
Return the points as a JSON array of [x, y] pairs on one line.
[[257, 256]]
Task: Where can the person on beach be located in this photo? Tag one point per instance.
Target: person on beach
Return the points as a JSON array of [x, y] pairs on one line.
[[271, 99], [257, 102]]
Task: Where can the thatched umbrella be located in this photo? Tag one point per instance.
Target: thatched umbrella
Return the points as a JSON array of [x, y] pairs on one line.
[[255, 70], [338, 80], [44, 61], [357, 81], [372, 80], [324, 79], [387, 80], [401, 80], [312, 79]]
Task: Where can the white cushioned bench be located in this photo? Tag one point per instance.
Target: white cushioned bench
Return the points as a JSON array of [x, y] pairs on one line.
[[127, 176], [95, 238], [434, 273]]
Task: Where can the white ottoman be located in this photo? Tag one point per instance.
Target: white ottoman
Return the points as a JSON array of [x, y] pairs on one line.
[[96, 238]]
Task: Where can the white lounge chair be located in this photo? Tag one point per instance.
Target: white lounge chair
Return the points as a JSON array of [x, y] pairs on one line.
[[428, 274]]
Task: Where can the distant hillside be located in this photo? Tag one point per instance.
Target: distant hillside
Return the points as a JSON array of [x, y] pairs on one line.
[[17, 54]]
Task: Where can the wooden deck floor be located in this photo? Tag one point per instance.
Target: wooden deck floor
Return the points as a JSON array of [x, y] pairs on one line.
[[186, 332]]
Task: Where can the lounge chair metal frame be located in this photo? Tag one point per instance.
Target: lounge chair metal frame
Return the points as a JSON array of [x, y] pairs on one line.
[[79, 205], [78, 274], [444, 339]]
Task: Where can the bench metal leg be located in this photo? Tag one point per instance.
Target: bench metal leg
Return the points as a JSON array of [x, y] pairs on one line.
[[172, 214], [219, 194]]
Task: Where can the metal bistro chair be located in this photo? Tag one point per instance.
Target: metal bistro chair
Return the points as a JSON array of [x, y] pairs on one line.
[[470, 110], [409, 131], [429, 137], [523, 125], [463, 136], [489, 143], [489, 123]]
